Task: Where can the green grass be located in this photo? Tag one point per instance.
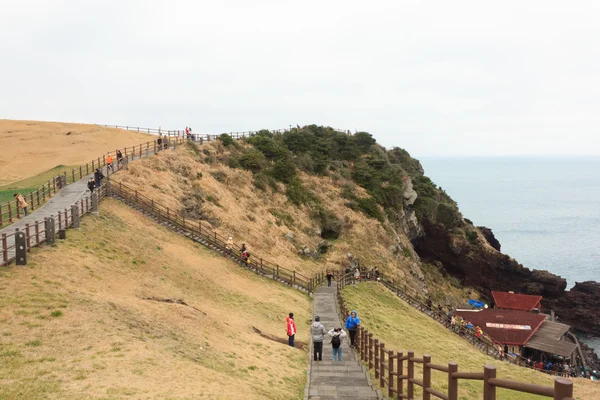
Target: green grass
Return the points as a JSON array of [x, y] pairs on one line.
[[402, 328], [29, 185]]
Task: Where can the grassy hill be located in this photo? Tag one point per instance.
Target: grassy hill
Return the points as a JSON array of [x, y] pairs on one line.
[[85, 320], [403, 328], [31, 148]]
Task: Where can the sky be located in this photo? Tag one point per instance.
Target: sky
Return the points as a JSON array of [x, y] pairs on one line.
[[438, 78]]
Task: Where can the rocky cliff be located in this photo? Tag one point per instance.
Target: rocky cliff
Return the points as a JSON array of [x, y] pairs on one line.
[[481, 266]]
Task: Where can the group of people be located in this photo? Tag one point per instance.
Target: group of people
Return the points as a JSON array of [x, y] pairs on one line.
[[244, 253], [318, 334], [188, 133]]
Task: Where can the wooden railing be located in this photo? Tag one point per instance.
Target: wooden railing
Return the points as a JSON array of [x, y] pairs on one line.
[[40, 232], [395, 371], [195, 230], [11, 211]]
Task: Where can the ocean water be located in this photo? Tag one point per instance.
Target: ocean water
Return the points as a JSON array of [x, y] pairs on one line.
[[544, 211]]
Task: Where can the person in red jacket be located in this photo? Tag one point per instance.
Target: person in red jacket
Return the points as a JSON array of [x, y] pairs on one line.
[[291, 329]]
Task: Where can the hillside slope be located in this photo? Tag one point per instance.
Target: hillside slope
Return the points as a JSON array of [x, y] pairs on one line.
[[30, 148], [402, 328], [84, 320]]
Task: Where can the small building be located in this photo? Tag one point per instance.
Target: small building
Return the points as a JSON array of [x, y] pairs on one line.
[[513, 328], [516, 301]]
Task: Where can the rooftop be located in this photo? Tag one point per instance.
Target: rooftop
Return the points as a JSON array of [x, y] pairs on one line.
[[515, 301], [547, 339], [511, 327]]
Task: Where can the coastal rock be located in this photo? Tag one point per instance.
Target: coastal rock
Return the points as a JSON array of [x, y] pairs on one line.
[[489, 236], [410, 195], [487, 270]]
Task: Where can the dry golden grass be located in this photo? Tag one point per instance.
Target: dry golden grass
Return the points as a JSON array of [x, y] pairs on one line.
[[197, 181], [403, 328], [74, 323], [29, 148]]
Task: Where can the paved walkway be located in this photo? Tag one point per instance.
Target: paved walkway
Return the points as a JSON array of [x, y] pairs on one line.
[[335, 379], [64, 198]]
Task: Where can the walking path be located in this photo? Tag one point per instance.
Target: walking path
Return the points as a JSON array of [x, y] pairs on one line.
[[335, 379], [63, 199]]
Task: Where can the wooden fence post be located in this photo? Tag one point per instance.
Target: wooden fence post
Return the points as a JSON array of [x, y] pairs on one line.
[[563, 389], [370, 350], [390, 373], [28, 238], [489, 391], [37, 232], [382, 365], [452, 382], [426, 377], [400, 372], [410, 390], [376, 358]]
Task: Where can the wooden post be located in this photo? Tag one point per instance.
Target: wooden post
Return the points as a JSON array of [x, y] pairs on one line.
[[28, 238], [426, 377], [4, 249], [563, 388], [376, 358], [363, 340], [489, 391], [410, 390], [294, 278], [9, 213], [370, 350], [37, 233], [59, 220], [452, 382], [400, 372], [390, 373], [382, 365], [20, 247], [37, 192]]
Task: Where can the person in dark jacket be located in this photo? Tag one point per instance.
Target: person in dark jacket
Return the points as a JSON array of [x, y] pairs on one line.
[[318, 332], [98, 176], [329, 276], [91, 185]]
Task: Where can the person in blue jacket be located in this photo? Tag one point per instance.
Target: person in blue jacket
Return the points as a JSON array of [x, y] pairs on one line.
[[352, 324]]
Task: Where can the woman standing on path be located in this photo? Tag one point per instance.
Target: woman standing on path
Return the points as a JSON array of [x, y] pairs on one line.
[[352, 324], [21, 203], [291, 329], [317, 330]]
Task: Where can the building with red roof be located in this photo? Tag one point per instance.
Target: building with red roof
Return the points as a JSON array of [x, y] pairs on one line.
[[515, 301], [513, 328]]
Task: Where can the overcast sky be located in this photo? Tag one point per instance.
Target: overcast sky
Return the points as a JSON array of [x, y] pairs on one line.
[[435, 77]]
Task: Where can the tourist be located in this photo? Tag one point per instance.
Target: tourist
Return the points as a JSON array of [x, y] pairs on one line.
[[347, 274], [352, 324], [246, 257], [453, 322], [429, 303], [229, 244], [291, 329], [377, 275], [98, 176], [91, 185], [329, 276], [337, 334], [119, 159], [21, 203], [109, 162], [356, 276], [317, 331], [159, 143]]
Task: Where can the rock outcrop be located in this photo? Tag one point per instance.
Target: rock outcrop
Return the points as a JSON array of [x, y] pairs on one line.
[[489, 236], [485, 270]]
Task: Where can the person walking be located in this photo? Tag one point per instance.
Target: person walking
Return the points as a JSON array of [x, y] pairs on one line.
[[229, 244], [337, 334], [356, 276], [91, 185], [317, 330], [159, 143], [329, 276], [352, 324], [21, 203], [109, 163], [291, 329], [119, 159], [98, 176]]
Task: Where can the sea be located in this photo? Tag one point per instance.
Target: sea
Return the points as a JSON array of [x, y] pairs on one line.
[[545, 211]]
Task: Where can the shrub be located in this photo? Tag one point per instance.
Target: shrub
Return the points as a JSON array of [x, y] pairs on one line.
[[282, 217], [284, 170], [472, 237], [253, 160], [234, 162], [348, 192], [369, 207], [426, 209], [219, 176], [447, 215], [260, 181], [298, 194], [468, 221], [226, 140]]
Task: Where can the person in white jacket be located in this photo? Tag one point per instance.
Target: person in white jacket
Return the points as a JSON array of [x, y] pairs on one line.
[[337, 334]]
